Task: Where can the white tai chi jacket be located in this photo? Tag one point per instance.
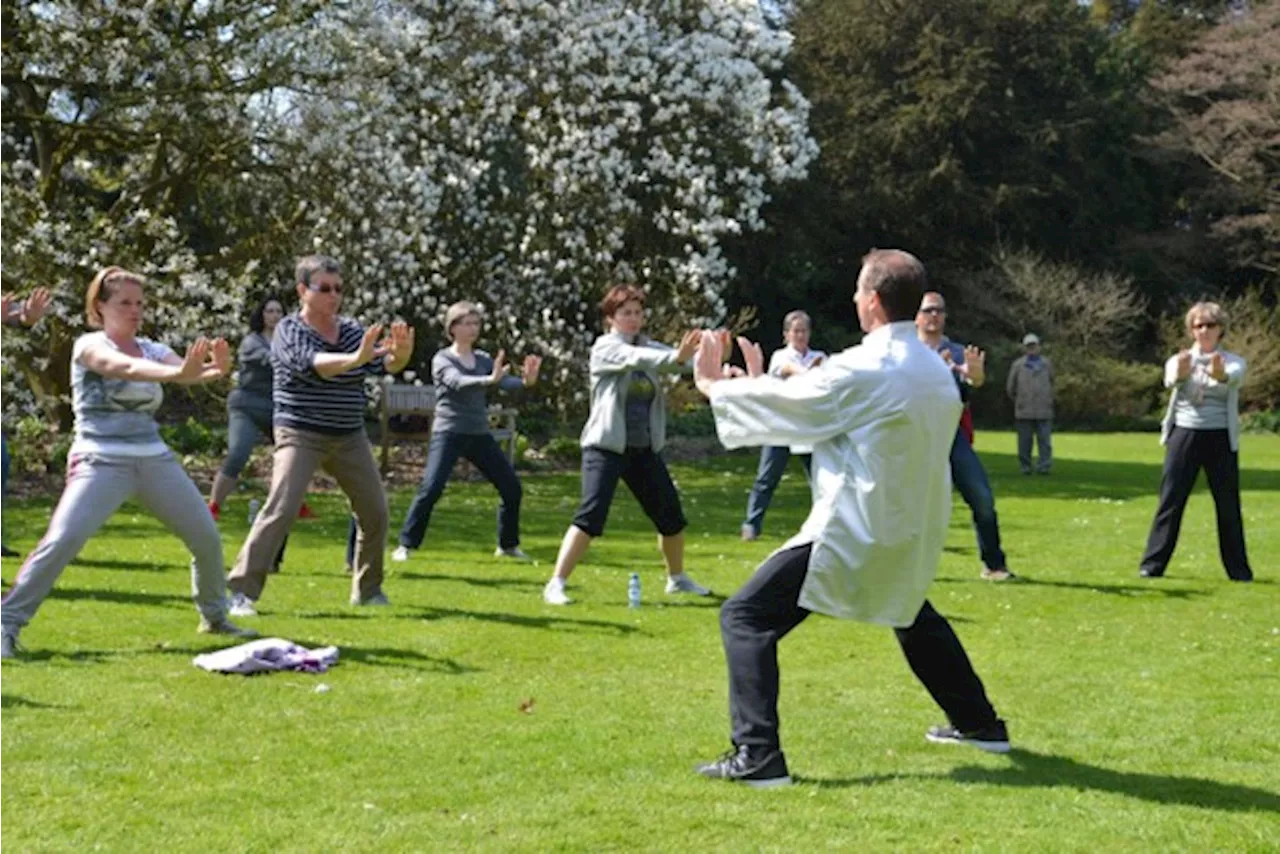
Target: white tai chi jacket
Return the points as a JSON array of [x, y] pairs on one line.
[[881, 418]]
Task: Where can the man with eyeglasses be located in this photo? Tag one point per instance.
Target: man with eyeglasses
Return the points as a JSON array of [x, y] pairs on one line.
[[968, 366], [1030, 387], [320, 360]]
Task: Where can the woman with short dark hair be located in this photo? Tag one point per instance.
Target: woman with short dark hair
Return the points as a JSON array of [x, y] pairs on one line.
[[1201, 429], [623, 440]]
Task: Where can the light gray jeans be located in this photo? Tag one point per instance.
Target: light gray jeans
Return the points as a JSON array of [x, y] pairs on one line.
[[97, 484]]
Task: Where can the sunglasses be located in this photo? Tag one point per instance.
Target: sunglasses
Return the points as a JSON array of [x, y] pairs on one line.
[[933, 309], [325, 289], [1208, 325]]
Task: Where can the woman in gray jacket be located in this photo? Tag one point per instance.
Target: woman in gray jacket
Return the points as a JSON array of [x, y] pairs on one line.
[[623, 439], [1201, 430]]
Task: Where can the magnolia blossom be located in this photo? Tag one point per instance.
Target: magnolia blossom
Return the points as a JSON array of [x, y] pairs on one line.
[[523, 155]]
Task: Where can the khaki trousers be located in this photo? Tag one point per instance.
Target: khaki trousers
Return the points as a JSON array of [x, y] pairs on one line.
[[349, 460]]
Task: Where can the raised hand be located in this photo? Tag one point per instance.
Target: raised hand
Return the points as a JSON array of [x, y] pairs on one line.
[[399, 344], [707, 364], [689, 345], [975, 365], [1217, 366], [369, 347], [529, 370], [35, 306], [752, 355], [193, 363], [946, 357], [499, 367], [220, 356], [1184, 364]]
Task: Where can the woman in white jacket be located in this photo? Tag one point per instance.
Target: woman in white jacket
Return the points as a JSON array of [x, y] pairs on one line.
[[623, 439], [1201, 430]]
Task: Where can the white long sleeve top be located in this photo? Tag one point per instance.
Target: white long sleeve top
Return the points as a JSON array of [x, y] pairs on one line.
[[881, 418]]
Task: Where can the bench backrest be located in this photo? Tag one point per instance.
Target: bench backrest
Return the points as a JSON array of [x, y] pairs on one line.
[[402, 398]]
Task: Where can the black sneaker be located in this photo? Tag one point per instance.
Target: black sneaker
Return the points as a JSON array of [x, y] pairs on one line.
[[993, 739], [1150, 573], [764, 769]]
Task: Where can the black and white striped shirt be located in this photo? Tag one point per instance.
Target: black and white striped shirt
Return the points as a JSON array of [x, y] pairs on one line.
[[304, 400]]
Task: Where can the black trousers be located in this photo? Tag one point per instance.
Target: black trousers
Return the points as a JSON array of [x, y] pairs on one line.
[[645, 474], [1186, 452], [759, 615]]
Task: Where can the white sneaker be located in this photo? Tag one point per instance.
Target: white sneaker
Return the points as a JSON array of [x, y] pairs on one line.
[[401, 554], [553, 593], [515, 553], [224, 627], [241, 606], [682, 583]]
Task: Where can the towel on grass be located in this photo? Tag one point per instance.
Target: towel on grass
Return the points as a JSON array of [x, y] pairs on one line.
[[266, 655]]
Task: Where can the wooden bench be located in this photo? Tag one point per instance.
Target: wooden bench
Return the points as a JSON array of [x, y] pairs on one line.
[[420, 401]]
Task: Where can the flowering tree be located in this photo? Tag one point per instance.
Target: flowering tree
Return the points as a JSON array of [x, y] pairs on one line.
[[523, 154], [529, 155], [141, 134]]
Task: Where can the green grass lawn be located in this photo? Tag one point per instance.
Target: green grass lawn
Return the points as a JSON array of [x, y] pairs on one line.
[[1144, 712]]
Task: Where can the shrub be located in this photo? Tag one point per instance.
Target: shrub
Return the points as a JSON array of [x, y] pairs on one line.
[[697, 422], [563, 450], [194, 437], [1263, 421]]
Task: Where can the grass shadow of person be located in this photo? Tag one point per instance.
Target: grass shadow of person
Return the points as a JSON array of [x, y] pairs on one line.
[[1129, 590], [14, 701], [384, 656], [431, 614], [1029, 769], [495, 582]]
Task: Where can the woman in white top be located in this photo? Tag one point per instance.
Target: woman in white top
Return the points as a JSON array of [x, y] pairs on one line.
[[1201, 430], [795, 358], [118, 454]]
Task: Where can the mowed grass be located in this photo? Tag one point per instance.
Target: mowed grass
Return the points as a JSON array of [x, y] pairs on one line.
[[471, 715]]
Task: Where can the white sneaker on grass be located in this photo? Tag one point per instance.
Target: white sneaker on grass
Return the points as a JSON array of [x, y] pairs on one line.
[[401, 554], [682, 583], [224, 627], [241, 606], [553, 593], [515, 553]]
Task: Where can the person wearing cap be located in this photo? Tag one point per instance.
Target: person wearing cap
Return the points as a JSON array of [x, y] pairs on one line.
[[1030, 387], [1201, 429], [460, 428]]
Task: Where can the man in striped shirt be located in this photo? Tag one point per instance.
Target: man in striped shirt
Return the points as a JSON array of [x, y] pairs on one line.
[[320, 360]]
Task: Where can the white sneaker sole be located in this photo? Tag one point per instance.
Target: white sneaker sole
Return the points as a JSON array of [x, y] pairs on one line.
[[988, 746], [774, 783]]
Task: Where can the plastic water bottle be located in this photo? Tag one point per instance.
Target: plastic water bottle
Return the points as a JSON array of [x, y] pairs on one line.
[[254, 504], [633, 591]]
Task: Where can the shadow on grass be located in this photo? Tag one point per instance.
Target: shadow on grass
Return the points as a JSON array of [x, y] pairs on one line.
[[131, 565], [1129, 590], [1038, 770], [13, 701], [489, 582], [524, 621], [1086, 479], [379, 656], [99, 656], [122, 597]]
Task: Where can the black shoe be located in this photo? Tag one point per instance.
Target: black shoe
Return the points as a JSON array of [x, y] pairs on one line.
[[993, 738], [1150, 573], [5, 551], [766, 768]]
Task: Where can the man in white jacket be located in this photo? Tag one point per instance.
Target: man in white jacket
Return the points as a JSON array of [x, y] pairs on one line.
[[881, 418]]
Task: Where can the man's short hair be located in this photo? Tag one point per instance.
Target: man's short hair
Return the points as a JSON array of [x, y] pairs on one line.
[[312, 264], [900, 280]]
